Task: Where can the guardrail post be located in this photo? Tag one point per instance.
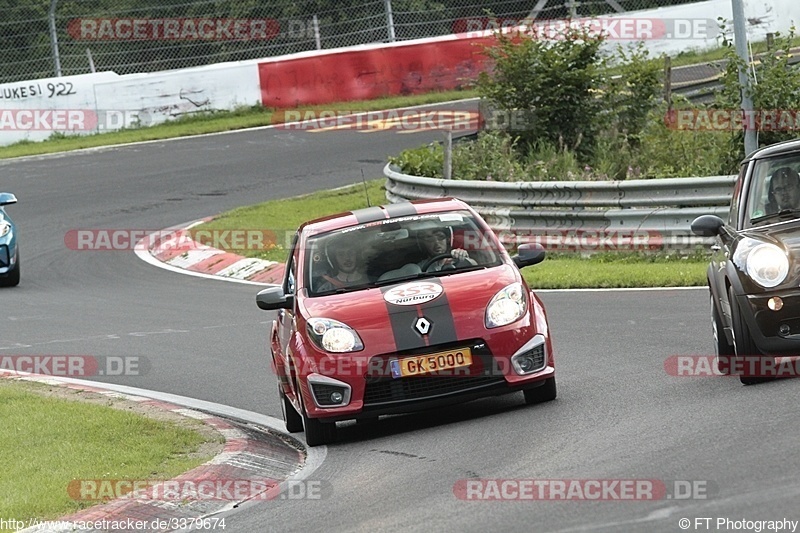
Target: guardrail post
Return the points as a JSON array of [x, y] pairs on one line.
[[740, 40], [668, 82], [448, 155]]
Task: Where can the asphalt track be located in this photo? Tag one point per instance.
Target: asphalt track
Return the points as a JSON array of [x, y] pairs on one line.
[[619, 415]]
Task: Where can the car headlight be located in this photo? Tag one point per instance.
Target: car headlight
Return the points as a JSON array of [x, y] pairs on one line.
[[5, 227], [506, 306], [767, 265], [334, 336]]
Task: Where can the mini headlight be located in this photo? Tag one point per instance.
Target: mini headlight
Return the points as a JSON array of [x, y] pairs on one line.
[[506, 306], [5, 227], [767, 265], [334, 336]]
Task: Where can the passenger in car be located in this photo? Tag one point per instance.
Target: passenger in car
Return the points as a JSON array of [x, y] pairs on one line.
[[347, 267]]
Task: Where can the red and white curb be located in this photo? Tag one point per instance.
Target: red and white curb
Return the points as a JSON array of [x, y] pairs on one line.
[[250, 455], [174, 250]]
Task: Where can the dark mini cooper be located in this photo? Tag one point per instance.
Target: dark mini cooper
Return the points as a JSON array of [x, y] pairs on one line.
[[754, 276], [403, 307]]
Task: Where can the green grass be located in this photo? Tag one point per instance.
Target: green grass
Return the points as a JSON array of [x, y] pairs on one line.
[[284, 216], [612, 270], [558, 271], [48, 441], [201, 123]]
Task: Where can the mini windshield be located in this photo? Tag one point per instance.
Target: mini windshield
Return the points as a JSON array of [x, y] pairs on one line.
[[774, 190], [388, 251]]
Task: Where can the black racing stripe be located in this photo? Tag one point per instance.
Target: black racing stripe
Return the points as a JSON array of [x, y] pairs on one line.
[[443, 327], [369, 214], [402, 209], [403, 317]]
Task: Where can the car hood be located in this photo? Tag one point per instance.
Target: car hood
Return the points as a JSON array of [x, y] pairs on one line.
[[785, 234], [385, 317]]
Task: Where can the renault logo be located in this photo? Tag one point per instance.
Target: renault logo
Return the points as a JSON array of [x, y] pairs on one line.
[[422, 325]]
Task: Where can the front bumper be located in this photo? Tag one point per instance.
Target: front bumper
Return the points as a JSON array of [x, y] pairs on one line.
[[8, 257], [774, 332], [373, 391]]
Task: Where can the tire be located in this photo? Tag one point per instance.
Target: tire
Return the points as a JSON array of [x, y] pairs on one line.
[[543, 393], [11, 279], [292, 419], [317, 433], [742, 340], [724, 352]]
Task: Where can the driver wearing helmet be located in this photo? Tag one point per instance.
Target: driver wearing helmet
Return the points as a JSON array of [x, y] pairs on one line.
[[438, 242]]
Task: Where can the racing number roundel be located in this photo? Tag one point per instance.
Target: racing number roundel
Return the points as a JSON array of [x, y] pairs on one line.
[[414, 293]]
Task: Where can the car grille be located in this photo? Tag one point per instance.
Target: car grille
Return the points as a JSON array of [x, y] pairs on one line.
[[4, 259], [419, 387], [383, 389]]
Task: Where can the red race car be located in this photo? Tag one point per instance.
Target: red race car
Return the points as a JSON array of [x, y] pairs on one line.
[[403, 307]]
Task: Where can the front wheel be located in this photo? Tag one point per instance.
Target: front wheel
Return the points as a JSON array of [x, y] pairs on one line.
[[317, 433], [543, 393], [743, 343], [292, 419], [724, 352]]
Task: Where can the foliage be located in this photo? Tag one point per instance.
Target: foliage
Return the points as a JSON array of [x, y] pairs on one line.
[[634, 92], [634, 136], [553, 83], [772, 84]]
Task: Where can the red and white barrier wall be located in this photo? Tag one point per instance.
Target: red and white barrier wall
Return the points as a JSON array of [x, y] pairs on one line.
[[368, 72]]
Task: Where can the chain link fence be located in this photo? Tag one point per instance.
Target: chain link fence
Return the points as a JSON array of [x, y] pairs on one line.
[[45, 38]]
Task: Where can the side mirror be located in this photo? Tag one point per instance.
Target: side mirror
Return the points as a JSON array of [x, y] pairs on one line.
[[6, 198], [529, 254], [273, 298], [707, 225]]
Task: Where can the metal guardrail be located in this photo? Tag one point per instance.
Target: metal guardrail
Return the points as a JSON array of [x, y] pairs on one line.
[[662, 207]]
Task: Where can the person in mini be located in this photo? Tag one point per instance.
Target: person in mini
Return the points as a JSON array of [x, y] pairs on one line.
[[438, 241], [784, 191], [344, 258]]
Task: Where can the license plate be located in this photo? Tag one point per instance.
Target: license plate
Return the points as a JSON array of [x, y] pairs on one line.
[[419, 365]]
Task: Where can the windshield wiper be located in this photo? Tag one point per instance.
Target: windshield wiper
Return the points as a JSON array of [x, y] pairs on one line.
[[793, 213]]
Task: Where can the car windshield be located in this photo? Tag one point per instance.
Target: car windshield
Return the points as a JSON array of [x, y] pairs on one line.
[[392, 250], [774, 190]]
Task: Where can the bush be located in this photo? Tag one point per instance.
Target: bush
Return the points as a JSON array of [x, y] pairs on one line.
[[553, 82]]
